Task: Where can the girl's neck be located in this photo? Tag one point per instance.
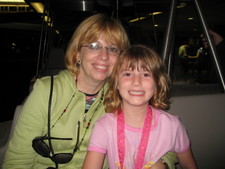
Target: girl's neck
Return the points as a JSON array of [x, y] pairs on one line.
[[135, 116]]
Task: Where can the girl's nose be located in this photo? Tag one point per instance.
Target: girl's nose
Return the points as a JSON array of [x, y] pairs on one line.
[[137, 80]]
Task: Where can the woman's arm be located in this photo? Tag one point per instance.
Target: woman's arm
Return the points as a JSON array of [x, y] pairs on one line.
[[30, 124], [93, 160], [186, 159]]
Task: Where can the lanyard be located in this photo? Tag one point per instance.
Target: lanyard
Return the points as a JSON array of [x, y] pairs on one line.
[[144, 139]]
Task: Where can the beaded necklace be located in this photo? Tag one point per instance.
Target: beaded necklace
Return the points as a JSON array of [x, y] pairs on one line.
[[138, 163], [64, 111], [90, 98], [89, 122]]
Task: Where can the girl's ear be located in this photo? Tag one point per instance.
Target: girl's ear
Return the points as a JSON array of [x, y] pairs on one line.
[[117, 86]]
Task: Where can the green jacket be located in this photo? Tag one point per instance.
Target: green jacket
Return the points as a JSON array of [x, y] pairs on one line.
[[32, 122]]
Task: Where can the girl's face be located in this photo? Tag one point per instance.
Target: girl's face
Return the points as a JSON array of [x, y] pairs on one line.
[[136, 87], [97, 61]]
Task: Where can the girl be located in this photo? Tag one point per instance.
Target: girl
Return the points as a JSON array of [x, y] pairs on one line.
[[139, 132]]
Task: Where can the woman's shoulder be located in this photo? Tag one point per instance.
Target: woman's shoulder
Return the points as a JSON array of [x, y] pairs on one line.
[[63, 77]]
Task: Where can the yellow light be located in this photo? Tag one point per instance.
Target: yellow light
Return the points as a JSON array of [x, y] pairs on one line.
[[12, 1], [181, 5], [39, 7], [156, 25], [57, 31], [15, 5], [137, 19], [155, 13], [190, 19]]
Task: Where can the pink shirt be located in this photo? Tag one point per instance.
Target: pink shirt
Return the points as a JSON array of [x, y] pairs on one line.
[[167, 134]]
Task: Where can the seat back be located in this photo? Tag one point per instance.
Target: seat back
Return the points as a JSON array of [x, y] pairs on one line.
[[204, 119], [13, 124]]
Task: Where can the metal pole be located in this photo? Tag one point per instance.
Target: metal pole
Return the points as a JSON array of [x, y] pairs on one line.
[[212, 47], [169, 31]]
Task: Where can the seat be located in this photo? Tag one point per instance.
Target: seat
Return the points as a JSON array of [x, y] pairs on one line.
[[13, 124], [203, 117]]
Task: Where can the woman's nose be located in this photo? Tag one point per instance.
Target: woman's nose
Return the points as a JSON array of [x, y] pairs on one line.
[[104, 54]]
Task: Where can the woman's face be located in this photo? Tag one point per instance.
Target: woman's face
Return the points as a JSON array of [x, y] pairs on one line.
[[97, 60]]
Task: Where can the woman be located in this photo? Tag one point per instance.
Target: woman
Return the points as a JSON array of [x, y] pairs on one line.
[[77, 98]]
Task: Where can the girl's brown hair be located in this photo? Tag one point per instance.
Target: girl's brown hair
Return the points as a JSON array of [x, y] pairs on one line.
[[90, 31], [151, 62]]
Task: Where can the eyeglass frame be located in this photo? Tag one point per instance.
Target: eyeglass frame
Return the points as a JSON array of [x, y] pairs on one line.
[[98, 48]]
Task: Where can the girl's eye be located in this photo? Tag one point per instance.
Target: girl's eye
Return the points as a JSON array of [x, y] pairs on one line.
[[147, 75], [127, 74]]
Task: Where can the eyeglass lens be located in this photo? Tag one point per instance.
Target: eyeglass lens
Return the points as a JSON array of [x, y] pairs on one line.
[[97, 47]]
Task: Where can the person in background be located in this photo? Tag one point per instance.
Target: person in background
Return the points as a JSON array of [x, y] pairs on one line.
[[217, 38], [136, 131], [183, 56], [219, 43], [77, 101]]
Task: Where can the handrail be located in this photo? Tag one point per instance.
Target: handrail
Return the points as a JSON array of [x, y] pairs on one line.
[[168, 37], [169, 32], [212, 47]]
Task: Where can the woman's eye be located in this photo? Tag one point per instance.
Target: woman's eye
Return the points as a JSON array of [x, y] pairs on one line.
[[147, 75], [113, 49], [94, 46]]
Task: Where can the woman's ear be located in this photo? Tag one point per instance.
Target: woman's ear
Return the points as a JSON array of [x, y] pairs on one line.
[[78, 58]]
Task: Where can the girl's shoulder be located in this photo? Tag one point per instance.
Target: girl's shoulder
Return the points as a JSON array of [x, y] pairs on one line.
[[107, 119], [161, 116]]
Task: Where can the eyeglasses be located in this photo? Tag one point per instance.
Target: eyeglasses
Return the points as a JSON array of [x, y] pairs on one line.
[[44, 150], [96, 47]]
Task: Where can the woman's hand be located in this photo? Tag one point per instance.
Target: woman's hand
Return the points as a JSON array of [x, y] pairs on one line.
[[159, 165]]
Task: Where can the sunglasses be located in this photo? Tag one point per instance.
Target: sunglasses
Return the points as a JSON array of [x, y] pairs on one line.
[[46, 150]]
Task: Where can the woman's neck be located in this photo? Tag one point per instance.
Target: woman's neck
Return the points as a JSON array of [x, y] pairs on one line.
[[89, 87]]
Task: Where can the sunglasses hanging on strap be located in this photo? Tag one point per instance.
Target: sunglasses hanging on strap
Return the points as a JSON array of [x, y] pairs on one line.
[[43, 149]]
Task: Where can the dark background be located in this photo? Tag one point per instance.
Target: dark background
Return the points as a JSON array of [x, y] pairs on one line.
[[20, 35]]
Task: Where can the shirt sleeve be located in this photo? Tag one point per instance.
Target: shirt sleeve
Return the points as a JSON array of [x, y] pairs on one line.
[[182, 141], [98, 140]]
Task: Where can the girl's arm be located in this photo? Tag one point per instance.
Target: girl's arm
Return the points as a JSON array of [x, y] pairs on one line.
[[93, 160], [186, 159]]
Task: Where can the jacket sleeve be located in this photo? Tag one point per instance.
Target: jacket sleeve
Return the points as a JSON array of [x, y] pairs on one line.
[[171, 159], [30, 124]]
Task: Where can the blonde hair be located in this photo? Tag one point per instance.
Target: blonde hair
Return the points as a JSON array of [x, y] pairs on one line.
[[89, 31], [150, 61]]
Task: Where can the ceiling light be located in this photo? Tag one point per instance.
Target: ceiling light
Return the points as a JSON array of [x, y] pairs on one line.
[[155, 13], [181, 5], [12, 1], [39, 7], [190, 18], [137, 19]]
